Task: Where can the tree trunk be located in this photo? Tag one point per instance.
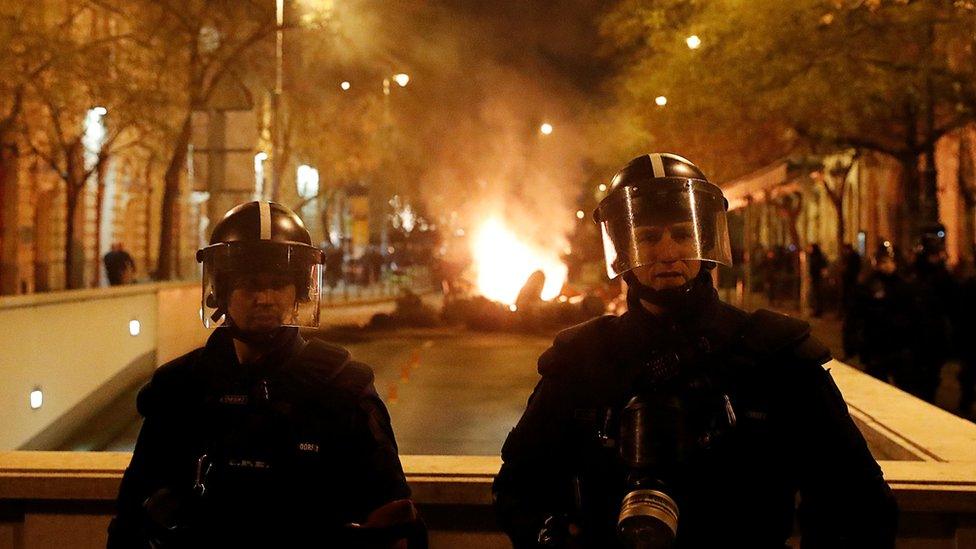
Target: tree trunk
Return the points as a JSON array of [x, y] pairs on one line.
[[966, 182], [147, 236], [99, 200], [909, 207], [168, 234], [8, 177], [74, 185], [841, 225], [71, 202], [930, 194]]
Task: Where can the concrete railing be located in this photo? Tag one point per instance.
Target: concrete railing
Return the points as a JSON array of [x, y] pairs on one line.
[[47, 498], [928, 457]]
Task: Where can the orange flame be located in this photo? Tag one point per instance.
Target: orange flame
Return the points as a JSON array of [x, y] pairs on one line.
[[503, 263]]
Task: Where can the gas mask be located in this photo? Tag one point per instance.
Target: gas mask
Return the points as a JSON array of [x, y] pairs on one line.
[[660, 432]]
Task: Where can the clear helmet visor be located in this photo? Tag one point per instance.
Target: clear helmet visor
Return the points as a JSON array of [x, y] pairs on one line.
[[261, 286], [683, 221]]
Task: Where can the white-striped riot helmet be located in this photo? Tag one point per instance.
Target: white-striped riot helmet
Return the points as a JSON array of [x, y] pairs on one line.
[[261, 246], [661, 208]]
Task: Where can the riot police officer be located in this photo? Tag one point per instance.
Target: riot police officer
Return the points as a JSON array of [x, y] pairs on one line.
[[685, 422], [882, 321], [261, 437], [937, 295]]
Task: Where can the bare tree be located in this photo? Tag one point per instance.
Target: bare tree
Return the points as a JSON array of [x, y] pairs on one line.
[[192, 46]]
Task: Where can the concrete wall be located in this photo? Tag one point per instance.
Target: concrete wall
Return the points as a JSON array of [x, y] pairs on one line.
[[47, 498], [77, 348]]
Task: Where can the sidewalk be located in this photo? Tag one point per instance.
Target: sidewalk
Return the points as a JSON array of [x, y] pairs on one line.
[[828, 329]]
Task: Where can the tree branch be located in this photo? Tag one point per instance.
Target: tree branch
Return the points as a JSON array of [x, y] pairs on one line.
[[255, 37]]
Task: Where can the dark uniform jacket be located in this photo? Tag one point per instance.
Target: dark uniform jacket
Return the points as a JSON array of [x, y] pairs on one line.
[[792, 435], [882, 324], [285, 450]]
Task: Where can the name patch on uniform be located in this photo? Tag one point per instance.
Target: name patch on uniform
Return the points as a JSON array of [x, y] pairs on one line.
[[308, 447], [236, 400], [249, 464]]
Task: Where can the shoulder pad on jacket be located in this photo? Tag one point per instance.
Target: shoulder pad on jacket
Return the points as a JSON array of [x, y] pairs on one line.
[[327, 364], [767, 332], [577, 345], [812, 350], [354, 379], [327, 359]]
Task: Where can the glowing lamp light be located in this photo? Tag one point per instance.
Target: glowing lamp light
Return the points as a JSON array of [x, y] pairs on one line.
[[603, 188], [580, 214], [693, 42], [546, 128], [402, 79], [100, 111], [345, 85], [134, 327], [513, 307], [36, 398], [661, 100], [307, 181]]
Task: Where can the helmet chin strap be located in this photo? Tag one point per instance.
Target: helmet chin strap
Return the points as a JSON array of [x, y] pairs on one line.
[[257, 339], [678, 300]]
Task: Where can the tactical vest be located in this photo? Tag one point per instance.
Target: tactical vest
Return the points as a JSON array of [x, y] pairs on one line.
[[743, 361], [273, 448]]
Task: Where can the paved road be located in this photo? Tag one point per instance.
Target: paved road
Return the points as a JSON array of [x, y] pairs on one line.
[[449, 392], [453, 393]]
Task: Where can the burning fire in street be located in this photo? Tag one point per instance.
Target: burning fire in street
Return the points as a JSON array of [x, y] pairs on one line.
[[503, 263]]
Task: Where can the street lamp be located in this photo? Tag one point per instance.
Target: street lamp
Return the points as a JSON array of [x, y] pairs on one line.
[[307, 182], [276, 98], [402, 79], [259, 160]]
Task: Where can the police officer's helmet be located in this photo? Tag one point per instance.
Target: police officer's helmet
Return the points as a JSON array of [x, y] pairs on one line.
[[662, 195], [261, 237]]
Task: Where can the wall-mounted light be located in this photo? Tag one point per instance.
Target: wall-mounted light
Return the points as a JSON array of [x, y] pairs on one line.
[[134, 327], [36, 398]]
